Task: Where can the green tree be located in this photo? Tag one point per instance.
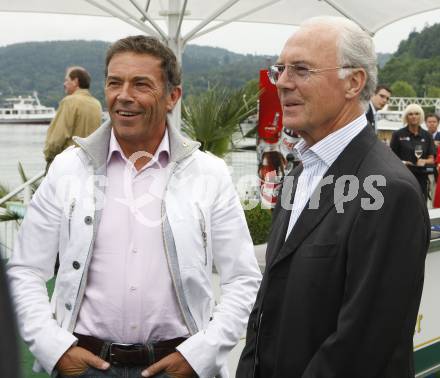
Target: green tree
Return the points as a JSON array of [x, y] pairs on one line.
[[258, 220], [213, 116], [7, 214], [40, 66], [401, 88], [417, 61], [432, 91]]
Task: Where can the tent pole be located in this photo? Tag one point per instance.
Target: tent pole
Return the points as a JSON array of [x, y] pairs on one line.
[[209, 19], [128, 20], [175, 44], [148, 18], [181, 17], [237, 18], [345, 14]]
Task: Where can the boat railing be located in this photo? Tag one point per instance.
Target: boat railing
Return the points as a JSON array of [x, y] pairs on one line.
[[8, 229]]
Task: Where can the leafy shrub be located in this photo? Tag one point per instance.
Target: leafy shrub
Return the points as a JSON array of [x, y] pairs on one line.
[[259, 221]]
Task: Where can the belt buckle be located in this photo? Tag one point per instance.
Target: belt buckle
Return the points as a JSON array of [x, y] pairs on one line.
[[123, 346]]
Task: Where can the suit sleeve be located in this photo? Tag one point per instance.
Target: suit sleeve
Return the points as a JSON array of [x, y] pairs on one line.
[[431, 148], [386, 251], [9, 361], [248, 354]]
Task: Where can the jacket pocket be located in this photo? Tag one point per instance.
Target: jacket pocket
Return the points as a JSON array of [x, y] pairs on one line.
[[318, 251]]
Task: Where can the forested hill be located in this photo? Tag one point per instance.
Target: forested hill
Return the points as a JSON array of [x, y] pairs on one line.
[[424, 44], [40, 66], [415, 66]]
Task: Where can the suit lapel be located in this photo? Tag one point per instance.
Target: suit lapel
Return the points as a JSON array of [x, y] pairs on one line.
[[347, 163], [281, 214]]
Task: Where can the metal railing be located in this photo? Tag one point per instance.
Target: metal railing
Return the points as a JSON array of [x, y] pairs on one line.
[[8, 229], [402, 102], [25, 187]]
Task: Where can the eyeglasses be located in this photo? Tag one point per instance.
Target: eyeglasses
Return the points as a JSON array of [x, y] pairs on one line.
[[296, 72]]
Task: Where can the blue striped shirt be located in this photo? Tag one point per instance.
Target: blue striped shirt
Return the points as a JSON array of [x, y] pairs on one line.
[[317, 160]]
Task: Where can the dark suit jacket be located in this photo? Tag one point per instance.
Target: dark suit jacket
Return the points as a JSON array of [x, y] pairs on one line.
[[370, 116], [9, 361], [340, 296]]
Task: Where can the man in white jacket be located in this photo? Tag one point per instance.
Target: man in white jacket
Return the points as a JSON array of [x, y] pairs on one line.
[[139, 216]]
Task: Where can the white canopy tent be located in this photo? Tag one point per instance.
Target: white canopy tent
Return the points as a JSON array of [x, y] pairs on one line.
[[371, 15], [150, 16]]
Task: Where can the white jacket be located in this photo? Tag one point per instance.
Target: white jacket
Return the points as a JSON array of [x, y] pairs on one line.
[[203, 225]]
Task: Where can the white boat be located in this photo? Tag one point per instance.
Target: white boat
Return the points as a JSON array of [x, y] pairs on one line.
[[25, 109]]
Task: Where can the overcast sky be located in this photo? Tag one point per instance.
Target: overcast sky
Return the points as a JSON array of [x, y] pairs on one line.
[[237, 37]]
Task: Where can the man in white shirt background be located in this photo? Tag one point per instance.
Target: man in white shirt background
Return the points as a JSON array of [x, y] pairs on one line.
[[431, 122], [377, 102]]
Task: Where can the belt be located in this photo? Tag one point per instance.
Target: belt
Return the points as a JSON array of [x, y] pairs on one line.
[[120, 354]]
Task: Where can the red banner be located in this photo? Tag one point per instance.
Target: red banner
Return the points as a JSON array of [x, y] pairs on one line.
[[275, 144], [269, 116]]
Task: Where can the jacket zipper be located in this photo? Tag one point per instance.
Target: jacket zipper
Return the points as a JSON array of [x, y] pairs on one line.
[[204, 234], [83, 281], [173, 278], [71, 209]]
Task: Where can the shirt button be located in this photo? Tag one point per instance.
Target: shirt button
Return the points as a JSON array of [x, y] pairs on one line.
[[135, 251], [133, 288], [76, 265], [88, 219], [68, 306]]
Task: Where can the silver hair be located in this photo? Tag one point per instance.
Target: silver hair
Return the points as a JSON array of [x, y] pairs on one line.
[[356, 48]]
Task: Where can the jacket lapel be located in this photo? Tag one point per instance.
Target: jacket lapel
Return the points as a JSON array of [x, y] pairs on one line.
[[347, 163], [281, 215]]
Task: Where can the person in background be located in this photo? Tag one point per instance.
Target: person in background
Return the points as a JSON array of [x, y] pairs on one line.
[[432, 121], [377, 102], [344, 272], [436, 198], [414, 145], [139, 216], [79, 114], [9, 355]]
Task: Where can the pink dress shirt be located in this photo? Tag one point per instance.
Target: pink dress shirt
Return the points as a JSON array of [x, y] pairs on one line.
[[129, 296]]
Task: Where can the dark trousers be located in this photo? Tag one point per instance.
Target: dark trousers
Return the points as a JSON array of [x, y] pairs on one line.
[[115, 372], [423, 182], [9, 353]]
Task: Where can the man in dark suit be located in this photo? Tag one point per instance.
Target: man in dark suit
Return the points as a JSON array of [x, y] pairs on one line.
[[9, 361], [345, 262], [377, 102]]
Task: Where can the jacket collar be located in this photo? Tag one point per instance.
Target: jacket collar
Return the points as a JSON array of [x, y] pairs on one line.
[[346, 164], [82, 92], [96, 145]]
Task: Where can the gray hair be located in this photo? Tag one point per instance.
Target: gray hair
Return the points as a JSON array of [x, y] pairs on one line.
[[356, 48]]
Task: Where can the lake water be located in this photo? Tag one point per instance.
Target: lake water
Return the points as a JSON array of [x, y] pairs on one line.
[[25, 143], [21, 143]]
